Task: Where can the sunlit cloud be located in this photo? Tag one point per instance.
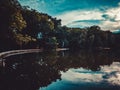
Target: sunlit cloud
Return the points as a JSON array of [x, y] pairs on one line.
[[108, 19], [84, 23], [109, 25], [112, 22], [77, 15]]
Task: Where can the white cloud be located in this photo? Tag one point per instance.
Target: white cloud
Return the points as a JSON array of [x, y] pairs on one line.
[[81, 24], [112, 22], [114, 13], [109, 25], [69, 17]]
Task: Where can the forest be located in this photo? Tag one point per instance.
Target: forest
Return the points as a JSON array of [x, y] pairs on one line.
[[23, 28]]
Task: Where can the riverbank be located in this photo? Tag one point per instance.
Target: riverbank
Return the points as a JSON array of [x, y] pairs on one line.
[[16, 52]]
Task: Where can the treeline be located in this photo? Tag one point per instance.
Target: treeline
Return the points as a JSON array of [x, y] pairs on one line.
[[23, 28]]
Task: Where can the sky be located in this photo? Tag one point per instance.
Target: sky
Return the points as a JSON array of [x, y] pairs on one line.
[[80, 13]]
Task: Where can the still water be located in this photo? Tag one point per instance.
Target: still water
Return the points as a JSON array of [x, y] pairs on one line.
[[63, 70]]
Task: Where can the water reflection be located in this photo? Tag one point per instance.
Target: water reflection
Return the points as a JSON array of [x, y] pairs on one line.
[[107, 76], [62, 71]]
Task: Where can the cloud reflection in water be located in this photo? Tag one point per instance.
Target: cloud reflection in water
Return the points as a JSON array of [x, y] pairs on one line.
[[108, 78]]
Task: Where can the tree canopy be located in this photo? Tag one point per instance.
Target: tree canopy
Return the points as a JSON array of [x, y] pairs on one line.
[[25, 28]]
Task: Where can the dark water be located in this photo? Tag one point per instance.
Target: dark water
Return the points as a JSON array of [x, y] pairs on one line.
[[64, 70]]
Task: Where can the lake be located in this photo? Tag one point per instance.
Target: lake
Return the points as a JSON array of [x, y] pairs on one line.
[[63, 70]]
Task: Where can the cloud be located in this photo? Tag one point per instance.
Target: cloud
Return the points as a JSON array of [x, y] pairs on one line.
[[77, 15], [112, 19], [109, 25], [114, 13], [84, 23], [108, 19]]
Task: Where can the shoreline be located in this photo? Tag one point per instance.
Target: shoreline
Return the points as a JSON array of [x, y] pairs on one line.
[[17, 52]]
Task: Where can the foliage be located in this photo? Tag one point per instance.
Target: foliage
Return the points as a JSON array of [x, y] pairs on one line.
[[21, 27], [17, 21]]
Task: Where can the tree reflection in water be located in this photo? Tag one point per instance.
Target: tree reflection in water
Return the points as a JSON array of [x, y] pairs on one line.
[[32, 71]]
